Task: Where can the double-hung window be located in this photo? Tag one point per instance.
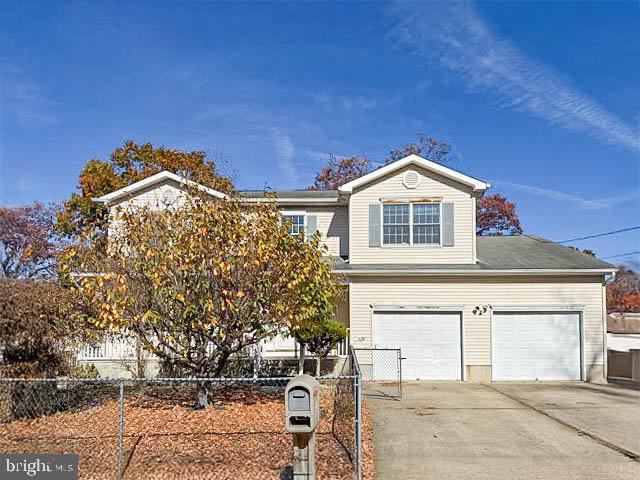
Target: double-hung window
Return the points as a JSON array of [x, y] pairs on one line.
[[296, 223], [411, 224], [395, 224], [426, 223]]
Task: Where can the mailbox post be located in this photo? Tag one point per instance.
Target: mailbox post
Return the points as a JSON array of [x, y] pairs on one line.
[[302, 414]]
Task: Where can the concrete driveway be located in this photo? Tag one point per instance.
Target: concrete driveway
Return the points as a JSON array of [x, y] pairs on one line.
[[453, 430]]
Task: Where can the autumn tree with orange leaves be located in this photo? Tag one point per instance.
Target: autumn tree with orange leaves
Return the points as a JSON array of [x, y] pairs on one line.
[[495, 215], [340, 171], [27, 246], [203, 280], [623, 293], [128, 164], [427, 146]]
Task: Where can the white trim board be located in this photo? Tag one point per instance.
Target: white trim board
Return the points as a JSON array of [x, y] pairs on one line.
[[294, 201], [461, 272], [419, 308], [160, 177], [474, 183]]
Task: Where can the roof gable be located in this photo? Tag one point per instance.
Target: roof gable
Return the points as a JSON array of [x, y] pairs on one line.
[[156, 179], [447, 172]]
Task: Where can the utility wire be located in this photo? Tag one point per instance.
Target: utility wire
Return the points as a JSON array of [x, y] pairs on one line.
[[623, 254], [600, 234]]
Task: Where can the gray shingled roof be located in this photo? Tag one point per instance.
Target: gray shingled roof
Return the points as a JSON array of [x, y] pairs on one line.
[[525, 252], [291, 193], [530, 251]]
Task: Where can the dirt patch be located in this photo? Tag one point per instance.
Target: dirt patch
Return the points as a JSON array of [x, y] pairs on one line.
[[240, 436]]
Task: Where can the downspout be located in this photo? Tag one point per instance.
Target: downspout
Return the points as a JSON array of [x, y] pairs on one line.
[[605, 353], [474, 251]]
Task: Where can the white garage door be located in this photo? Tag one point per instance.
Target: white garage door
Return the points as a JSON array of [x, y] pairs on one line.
[[536, 346], [430, 343]]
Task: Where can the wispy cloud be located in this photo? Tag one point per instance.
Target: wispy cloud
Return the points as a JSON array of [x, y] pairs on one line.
[[574, 200], [284, 153], [332, 101], [423, 85], [30, 106], [454, 35]]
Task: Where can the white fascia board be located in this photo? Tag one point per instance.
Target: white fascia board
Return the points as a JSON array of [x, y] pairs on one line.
[[296, 201], [476, 184], [454, 272], [538, 308], [152, 180], [384, 307]]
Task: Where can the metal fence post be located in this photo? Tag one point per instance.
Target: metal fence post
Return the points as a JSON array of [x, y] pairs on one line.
[[120, 446], [399, 373], [357, 394], [359, 426]]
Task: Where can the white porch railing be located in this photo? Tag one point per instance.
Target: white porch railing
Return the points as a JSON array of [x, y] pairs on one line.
[[118, 349], [111, 349]]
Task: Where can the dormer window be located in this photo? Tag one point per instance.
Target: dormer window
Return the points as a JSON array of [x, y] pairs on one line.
[[411, 224]]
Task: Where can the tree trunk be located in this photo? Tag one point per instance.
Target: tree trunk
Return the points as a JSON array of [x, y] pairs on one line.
[[318, 360], [140, 360], [257, 360], [301, 359], [203, 395], [203, 387]]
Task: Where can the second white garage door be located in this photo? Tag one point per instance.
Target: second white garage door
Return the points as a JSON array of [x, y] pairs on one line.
[[430, 343], [536, 346]]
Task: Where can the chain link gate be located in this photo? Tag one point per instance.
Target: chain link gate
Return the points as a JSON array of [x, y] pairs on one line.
[[381, 370]]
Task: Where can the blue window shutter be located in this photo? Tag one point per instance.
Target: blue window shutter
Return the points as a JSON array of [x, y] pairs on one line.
[[447, 225], [374, 225], [312, 225]]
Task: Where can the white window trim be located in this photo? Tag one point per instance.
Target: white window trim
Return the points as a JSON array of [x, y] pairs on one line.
[[296, 212], [410, 244]]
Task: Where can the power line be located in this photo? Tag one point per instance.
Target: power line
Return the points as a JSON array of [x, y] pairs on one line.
[[623, 254], [600, 234]]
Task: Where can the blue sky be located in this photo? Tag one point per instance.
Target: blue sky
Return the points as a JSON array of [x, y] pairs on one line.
[[541, 99]]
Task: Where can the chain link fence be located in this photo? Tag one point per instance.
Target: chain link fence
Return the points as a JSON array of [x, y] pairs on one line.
[[381, 370], [157, 428]]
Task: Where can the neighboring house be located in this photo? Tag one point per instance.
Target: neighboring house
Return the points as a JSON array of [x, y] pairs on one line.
[[623, 337], [460, 307]]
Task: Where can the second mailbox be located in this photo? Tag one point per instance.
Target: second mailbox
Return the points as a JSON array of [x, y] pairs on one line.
[[302, 404]]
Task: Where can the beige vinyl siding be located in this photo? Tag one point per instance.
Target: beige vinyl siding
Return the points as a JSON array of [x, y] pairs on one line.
[[516, 291], [332, 222], [151, 197], [431, 185], [333, 225], [342, 308]]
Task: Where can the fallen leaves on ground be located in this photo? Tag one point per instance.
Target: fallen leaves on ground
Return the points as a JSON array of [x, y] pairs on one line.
[[240, 436]]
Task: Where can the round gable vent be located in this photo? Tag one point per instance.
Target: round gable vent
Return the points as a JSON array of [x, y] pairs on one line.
[[410, 179]]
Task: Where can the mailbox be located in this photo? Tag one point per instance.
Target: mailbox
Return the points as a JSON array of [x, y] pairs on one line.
[[302, 404]]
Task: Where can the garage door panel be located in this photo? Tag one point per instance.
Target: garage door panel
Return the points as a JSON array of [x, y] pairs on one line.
[[430, 343], [525, 355], [447, 337], [540, 346]]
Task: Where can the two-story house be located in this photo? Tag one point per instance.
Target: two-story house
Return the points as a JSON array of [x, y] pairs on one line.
[[461, 307]]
